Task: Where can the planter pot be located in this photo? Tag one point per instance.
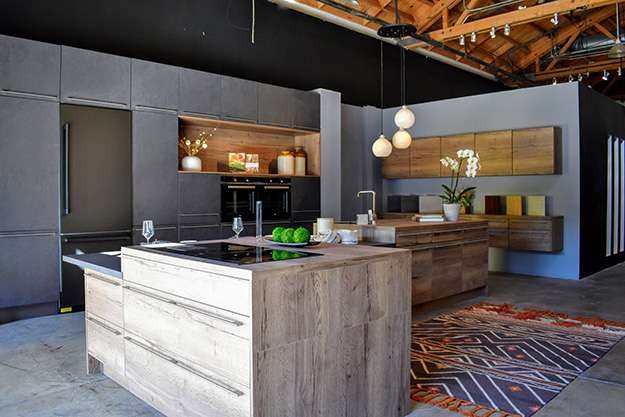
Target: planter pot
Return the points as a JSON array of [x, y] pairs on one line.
[[191, 163], [451, 211]]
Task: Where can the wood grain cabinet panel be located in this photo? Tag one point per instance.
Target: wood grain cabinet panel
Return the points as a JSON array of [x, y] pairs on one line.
[[103, 297], [535, 151], [446, 271], [495, 149], [451, 144], [397, 164], [421, 276], [425, 155], [105, 343]]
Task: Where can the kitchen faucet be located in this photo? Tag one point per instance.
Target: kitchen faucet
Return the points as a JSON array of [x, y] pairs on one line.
[[372, 215]]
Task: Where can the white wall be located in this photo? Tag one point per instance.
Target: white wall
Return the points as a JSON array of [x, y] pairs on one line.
[[531, 107]]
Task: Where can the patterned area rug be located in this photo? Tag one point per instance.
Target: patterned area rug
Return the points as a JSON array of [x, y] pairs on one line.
[[496, 361]]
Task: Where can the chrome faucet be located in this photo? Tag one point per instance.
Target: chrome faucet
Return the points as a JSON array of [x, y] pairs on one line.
[[372, 215]]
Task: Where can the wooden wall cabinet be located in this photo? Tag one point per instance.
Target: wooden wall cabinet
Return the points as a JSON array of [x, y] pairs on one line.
[[535, 151], [397, 165], [451, 144], [425, 157], [495, 149]]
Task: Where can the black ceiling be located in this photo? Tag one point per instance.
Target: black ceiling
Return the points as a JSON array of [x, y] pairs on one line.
[[291, 49]]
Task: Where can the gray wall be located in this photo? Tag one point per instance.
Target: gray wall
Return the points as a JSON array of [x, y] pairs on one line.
[[531, 107], [330, 153], [360, 127]]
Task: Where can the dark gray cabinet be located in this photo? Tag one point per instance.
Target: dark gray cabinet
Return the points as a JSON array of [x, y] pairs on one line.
[[239, 99], [165, 233], [200, 232], [275, 105], [305, 194], [154, 86], [307, 107], [95, 79], [200, 93], [30, 269], [154, 168], [199, 194], [29, 68], [29, 164]]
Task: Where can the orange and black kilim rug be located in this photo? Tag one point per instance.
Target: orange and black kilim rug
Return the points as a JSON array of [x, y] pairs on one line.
[[497, 361]]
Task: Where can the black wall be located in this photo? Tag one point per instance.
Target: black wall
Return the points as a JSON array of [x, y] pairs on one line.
[[291, 49], [600, 117]]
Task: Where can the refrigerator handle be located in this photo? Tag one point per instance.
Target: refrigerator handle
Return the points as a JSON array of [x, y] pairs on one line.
[[65, 164]]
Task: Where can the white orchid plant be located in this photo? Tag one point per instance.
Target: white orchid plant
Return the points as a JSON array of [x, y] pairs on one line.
[[470, 161]]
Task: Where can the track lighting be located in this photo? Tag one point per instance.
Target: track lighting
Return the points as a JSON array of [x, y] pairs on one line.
[[587, 74], [606, 75], [461, 40], [554, 82], [555, 19], [619, 71], [580, 77], [570, 78], [473, 37], [506, 29], [493, 33]]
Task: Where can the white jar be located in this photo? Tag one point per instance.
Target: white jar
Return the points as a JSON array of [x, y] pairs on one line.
[[300, 161], [286, 163]]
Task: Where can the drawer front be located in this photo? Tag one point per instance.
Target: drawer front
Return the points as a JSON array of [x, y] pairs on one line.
[[421, 276], [530, 240], [213, 339], [105, 342], [530, 225], [220, 291], [474, 265], [498, 238], [450, 236], [177, 389], [413, 240], [475, 234], [103, 297]]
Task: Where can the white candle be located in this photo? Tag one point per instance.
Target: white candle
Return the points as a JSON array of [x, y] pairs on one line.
[[325, 225]]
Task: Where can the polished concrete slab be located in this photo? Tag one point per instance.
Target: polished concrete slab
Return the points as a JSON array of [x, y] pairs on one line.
[[42, 360]]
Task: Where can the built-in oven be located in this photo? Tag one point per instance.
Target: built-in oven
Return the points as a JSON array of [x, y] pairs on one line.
[[276, 198], [238, 198], [240, 194]]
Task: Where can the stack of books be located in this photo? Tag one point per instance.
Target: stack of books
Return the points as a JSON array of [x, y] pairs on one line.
[[430, 218]]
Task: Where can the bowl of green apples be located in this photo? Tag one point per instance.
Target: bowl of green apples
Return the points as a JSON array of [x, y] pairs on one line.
[[289, 236]]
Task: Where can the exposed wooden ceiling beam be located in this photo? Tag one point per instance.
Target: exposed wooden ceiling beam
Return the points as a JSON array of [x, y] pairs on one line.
[[435, 14], [603, 30], [517, 17], [544, 44], [564, 48], [609, 64]]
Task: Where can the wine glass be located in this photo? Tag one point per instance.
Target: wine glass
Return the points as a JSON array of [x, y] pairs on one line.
[[148, 230], [237, 226]]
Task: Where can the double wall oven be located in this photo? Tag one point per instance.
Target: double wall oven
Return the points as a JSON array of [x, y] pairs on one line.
[[240, 194]]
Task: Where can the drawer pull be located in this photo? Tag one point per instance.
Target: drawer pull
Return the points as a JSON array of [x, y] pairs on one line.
[[186, 367], [210, 314], [103, 279], [97, 102], [20, 93], [104, 326]]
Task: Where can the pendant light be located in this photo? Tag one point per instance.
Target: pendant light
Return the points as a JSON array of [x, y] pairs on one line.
[[382, 147], [404, 118], [618, 50]]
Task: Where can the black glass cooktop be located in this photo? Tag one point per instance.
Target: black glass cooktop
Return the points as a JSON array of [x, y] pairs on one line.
[[234, 253]]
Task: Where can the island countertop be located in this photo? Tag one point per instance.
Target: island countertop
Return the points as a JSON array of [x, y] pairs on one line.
[[333, 255]]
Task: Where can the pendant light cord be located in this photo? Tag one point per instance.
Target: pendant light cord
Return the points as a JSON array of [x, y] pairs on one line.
[[403, 76], [618, 23], [381, 87], [253, 20]]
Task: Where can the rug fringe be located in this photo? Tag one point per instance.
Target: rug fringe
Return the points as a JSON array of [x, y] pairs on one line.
[[464, 407]]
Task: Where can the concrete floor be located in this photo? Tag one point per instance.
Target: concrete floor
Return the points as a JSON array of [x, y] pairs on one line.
[[42, 361]]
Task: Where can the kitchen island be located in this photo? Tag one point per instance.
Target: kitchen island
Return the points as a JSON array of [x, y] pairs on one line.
[[326, 334], [448, 258]]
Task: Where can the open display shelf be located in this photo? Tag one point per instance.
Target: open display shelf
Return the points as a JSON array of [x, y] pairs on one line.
[[263, 140]]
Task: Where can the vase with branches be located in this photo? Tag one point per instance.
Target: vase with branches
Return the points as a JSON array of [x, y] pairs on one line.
[[191, 147], [466, 164]]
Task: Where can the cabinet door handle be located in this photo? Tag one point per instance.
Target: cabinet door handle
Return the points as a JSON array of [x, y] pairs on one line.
[[19, 93], [186, 367], [97, 102], [154, 109], [65, 163], [104, 326], [103, 279], [241, 187], [210, 314]]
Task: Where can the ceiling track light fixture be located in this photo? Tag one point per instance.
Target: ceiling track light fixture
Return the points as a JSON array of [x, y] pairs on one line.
[[473, 37], [382, 147], [605, 75], [507, 29], [555, 19], [493, 32], [571, 79], [580, 77], [461, 40], [554, 81], [619, 71]]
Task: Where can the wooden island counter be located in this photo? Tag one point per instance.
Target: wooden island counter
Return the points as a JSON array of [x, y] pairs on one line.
[[448, 258], [325, 335]]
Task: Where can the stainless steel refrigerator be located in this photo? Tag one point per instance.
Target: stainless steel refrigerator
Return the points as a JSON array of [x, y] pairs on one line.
[[96, 190]]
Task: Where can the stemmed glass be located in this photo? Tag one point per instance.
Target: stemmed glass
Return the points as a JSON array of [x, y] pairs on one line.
[[237, 226], [148, 230]]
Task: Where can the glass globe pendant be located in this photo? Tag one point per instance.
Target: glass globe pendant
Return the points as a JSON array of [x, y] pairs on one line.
[[404, 118], [402, 139], [382, 147]]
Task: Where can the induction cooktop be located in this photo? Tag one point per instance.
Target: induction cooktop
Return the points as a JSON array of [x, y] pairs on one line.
[[234, 253]]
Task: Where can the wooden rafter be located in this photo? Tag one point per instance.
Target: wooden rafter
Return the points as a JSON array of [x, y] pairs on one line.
[[564, 48], [609, 64], [517, 17], [603, 30], [435, 14]]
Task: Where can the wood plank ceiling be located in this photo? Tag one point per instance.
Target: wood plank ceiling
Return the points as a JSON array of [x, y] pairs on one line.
[[536, 50]]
